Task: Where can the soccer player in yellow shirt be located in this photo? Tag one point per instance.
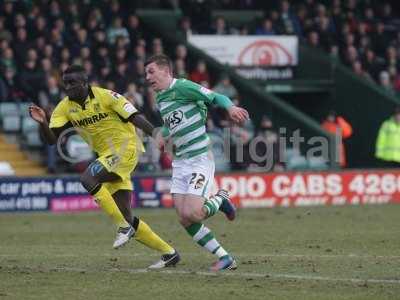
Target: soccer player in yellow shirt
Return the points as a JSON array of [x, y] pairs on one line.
[[106, 121]]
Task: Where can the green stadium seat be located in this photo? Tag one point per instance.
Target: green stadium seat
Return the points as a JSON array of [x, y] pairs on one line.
[[24, 108], [297, 163], [290, 153], [8, 109], [11, 123], [33, 139], [29, 125], [30, 132], [317, 163]]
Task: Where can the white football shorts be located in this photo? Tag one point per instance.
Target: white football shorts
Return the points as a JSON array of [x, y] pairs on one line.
[[193, 175]]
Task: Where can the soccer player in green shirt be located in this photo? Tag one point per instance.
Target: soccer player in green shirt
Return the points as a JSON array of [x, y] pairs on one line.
[[182, 104]]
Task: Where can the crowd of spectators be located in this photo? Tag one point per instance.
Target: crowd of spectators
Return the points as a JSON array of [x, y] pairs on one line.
[[108, 40], [364, 35], [39, 39]]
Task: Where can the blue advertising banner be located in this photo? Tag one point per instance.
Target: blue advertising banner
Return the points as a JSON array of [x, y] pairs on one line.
[[36, 194], [66, 194]]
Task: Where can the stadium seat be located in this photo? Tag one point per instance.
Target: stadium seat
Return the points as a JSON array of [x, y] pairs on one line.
[[33, 139], [297, 163], [30, 132], [317, 163], [10, 117], [11, 123], [24, 108], [290, 153], [29, 125], [6, 169], [294, 160], [8, 108]]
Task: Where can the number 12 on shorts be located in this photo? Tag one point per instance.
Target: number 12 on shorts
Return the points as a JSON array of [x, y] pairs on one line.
[[197, 180]]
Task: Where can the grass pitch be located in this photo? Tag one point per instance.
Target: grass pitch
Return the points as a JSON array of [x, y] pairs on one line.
[[295, 253]]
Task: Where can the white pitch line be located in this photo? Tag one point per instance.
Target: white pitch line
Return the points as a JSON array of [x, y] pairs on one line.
[[304, 277], [194, 254], [366, 256], [236, 273], [116, 255]]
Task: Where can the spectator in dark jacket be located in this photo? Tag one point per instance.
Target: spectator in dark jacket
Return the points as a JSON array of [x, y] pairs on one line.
[[121, 77], [20, 44], [50, 95], [31, 80], [10, 90], [134, 29], [220, 26], [7, 59], [380, 39], [266, 28]]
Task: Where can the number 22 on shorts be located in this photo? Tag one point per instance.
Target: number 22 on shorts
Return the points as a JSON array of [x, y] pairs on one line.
[[198, 180]]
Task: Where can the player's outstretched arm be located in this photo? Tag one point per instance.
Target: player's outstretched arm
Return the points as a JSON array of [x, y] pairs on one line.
[[39, 116], [195, 91], [140, 121], [237, 114]]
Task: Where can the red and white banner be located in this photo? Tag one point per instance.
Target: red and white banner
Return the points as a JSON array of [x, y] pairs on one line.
[[307, 189], [260, 51], [246, 190]]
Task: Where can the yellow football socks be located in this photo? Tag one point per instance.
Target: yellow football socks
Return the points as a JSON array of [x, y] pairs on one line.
[[108, 205], [146, 236]]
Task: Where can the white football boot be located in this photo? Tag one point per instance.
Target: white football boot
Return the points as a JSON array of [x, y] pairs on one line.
[[124, 234]]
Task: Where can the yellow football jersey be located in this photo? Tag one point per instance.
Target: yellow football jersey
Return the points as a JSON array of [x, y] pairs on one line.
[[101, 121]]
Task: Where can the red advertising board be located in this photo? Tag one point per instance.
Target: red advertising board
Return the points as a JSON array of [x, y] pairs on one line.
[[247, 190], [306, 189]]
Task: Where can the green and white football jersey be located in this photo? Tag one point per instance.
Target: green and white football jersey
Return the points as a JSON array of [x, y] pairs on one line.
[[182, 107]]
